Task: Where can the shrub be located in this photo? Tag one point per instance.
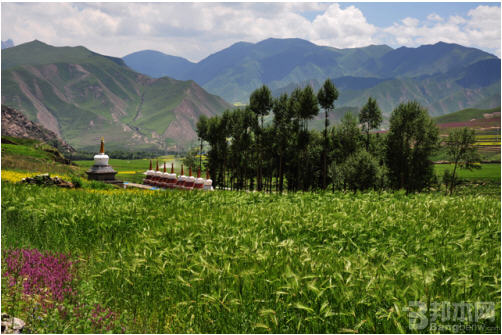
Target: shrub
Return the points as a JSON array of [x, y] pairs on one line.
[[361, 171]]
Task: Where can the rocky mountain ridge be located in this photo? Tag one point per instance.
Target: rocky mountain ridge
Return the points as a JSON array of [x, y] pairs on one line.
[[15, 124]]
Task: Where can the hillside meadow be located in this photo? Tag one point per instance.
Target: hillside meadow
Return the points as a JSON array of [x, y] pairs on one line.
[[239, 262]]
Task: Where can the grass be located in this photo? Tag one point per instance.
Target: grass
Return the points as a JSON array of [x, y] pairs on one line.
[[487, 172], [237, 262], [23, 150], [25, 155], [465, 115]]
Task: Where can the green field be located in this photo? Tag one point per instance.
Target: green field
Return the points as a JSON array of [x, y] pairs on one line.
[[465, 115], [125, 168], [487, 172], [31, 155], [237, 262]]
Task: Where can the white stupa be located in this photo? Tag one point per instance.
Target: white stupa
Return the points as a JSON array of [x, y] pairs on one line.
[[101, 170], [208, 183], [199, 182], [181, 179]]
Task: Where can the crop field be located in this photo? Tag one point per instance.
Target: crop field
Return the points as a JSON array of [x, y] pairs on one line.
[[486, 172], [238, 262], [486, 123]]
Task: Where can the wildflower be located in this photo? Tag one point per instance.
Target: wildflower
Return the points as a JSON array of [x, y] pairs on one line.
[[48, 276]]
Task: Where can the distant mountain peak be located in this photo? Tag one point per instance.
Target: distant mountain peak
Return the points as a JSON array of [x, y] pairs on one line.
[[286, 40], [7, 44], [157, 64]]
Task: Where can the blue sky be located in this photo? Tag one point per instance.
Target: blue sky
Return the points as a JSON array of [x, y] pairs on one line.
[[196, 30], [383, 13]]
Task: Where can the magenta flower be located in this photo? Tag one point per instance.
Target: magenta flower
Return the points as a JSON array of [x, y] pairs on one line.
[[45, 274]]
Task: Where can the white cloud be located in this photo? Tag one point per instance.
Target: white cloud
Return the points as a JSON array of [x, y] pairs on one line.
[[195, 30], [192, 30], [481, 29], [342, 28], [434, 17]]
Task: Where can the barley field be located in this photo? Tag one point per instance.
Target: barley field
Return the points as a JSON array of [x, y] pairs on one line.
[[230, 262]]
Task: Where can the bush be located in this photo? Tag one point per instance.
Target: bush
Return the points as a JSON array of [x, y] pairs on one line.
[[361, 171], [76, 181], [448, 178], [335, 172]]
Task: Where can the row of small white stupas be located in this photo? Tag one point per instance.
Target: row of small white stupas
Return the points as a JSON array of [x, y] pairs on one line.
[[170, 180]]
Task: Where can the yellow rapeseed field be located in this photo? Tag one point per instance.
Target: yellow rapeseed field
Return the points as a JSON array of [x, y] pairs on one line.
[[126, 172], [14, 176]]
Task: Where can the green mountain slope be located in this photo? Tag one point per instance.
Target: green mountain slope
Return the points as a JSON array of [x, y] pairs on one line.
[[476, 85], [81, 96], [236, 71], [465, 115], [427, 60], [429, 73], [276, 63]]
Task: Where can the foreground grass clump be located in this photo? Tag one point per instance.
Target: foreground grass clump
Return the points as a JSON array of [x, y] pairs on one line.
[[249, 262]]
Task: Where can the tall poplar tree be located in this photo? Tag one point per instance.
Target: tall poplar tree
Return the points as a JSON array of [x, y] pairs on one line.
[[326, 96], [260, 102]]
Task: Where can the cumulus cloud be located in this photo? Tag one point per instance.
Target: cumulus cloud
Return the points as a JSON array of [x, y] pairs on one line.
[[342, 28], [192, 30], [434, 17], [195, 30], [481, 29]]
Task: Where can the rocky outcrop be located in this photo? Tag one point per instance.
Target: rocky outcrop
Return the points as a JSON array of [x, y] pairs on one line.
[[11, 325], [46, 180], [15, 124]]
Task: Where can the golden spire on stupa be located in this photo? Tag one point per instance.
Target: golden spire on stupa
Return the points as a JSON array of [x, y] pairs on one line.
[[102, 149]]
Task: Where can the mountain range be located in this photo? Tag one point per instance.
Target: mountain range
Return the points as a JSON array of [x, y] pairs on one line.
[[443, 77], [81, 95], [152, 101]]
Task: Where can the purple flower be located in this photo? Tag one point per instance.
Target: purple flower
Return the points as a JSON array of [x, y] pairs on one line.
[[45, 274]]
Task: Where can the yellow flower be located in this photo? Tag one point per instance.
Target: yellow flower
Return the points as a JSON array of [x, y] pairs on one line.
[[14, 176]]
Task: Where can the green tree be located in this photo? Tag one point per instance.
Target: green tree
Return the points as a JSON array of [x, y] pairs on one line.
[[293, 164], [309, 106], [283, 130], [361, 171], [412, 138], [462, 152], [308, 109], [346, 138], [260, 102], [201, 129], [216, 136], [190, 159], [326, 96], [241, 143], [370, 118]]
